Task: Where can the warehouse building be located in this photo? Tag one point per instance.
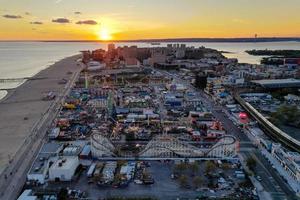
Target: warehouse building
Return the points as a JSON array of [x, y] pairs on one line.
[[64, 168]]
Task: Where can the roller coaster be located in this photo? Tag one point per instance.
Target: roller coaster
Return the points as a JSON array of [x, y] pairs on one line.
[[101, 146], [167, 146]]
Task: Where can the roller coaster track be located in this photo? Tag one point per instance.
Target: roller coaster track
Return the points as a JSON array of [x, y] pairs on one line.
[[167, 152], [101, 146], [223, 144], [160, 150], [168, 146], [273, 131], [161, 147]]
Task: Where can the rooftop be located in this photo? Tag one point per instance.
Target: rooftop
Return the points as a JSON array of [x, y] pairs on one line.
[[47, 152], [278, 83], [50, 148], [27, 195], [65, 162]]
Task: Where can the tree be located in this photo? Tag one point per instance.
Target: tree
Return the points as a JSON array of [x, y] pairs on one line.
[[145, 174], [194, 167], [118, 178], [130, 136], [180, 167], [209, 167], [251, 163], [286, 115], [226, 166], [121, 162], [211, 183], [183, 180], [197, 181], [201, 81], [63, 194]]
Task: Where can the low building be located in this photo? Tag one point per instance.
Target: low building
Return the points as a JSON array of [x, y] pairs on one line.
[[127, 170], [64, 168], [95, 66], [27, 195], [39, 169], [109, 171], [86, 152], [290, 161], [277, 83], [292, 98], [132, 62], [72, 150]]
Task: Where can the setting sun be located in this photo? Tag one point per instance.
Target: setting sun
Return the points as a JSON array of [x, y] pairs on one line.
[[104, 34]]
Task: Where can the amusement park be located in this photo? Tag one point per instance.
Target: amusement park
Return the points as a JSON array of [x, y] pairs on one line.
[[123, 125]]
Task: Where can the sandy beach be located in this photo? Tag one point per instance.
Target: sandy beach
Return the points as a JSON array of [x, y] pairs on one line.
[[23, 106]]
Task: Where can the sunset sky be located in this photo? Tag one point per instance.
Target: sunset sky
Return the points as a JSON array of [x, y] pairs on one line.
[[147, 19]]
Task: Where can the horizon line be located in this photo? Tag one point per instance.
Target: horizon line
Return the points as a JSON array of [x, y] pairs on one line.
[[187, 39]]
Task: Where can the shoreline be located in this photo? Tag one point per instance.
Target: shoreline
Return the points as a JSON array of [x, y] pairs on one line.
[[23, 106], [3, 94], [10, 90], [8, 94]]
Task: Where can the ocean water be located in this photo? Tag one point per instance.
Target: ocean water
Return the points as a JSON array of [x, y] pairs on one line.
[[25, 59]]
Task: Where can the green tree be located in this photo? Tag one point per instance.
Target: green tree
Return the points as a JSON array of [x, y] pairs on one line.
[[63, 194], [286, 115], [226, 166], [121, 162], [197, 181], [194, 167], [181, 167], [209, 167], [118, 178], [183, 180], [130, 136], [251, 163], [145, 174]]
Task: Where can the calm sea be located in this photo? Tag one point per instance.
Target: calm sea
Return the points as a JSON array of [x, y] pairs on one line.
[[25, 59]]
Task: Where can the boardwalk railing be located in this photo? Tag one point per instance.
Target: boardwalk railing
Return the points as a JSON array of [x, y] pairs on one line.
[[5, 80]]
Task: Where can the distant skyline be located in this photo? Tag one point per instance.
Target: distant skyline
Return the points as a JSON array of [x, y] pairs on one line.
[[145, 19]]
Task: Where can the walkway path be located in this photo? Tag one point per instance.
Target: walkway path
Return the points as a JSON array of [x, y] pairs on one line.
[[23, 138]]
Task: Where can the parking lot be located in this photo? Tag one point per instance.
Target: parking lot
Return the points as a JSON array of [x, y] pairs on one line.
[[164, 186]]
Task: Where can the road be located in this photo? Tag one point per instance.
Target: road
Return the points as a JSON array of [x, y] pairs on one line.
[[281, 187], [271, 180]]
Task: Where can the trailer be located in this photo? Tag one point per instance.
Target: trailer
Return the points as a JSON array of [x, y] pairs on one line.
[[91, 170]]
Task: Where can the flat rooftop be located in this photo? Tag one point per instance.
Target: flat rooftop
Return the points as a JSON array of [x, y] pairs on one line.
[[65, 162], [51, 148], [278, 83], [48, 150]]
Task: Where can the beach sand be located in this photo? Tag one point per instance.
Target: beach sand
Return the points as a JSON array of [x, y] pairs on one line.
[[23, 106]]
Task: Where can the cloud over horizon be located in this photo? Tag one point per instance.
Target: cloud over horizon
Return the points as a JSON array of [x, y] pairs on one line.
[[87, 22], [12, 16], [37, 23], [77, 13], [61, 20]]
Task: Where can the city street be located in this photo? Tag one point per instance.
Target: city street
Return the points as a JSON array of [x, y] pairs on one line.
[[271, 179]]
